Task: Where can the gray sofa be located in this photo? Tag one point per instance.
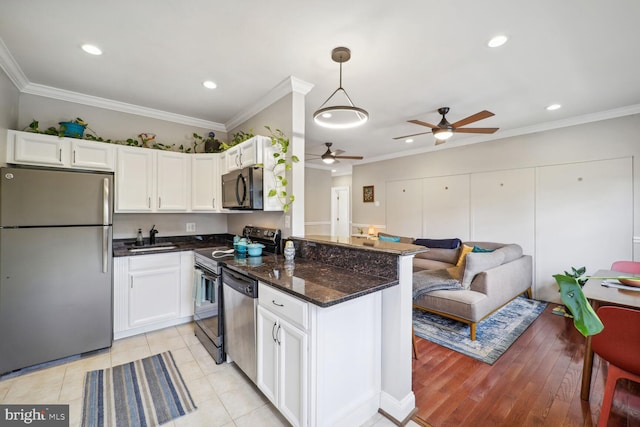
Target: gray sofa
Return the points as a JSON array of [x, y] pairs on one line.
[[485, 280]]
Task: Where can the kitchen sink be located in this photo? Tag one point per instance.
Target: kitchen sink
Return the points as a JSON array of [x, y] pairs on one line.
[[150, 248]]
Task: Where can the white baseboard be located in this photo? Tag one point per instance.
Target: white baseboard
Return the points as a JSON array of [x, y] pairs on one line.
[[396, 409]]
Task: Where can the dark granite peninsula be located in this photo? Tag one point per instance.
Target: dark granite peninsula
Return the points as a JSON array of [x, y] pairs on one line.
[[371, 333]]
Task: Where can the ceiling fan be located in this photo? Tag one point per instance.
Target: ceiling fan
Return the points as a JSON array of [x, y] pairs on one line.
[[444, 130], [330, 157]]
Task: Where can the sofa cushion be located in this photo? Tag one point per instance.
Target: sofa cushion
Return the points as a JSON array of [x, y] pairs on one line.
[[389, 238], [463, 254], [477, 248], [449, 256], [402, 239], [439, 243], [477, 262], [511, 252]]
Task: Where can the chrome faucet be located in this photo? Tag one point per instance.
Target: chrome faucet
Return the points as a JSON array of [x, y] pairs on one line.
[[152, 235]]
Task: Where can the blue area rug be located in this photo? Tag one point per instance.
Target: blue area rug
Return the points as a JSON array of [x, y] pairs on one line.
[[494, 335], [147, 392]]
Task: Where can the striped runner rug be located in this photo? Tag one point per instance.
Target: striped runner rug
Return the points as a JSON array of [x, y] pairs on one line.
[[144, 393]]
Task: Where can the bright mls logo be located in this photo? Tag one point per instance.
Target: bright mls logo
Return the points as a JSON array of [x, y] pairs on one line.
[[34, 415]]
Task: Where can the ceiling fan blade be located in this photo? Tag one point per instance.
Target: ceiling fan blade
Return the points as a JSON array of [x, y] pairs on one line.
[[349, 157], [421, 123], [473, 118], [337, 152], [409, 136], [476, 130], [440, 141]]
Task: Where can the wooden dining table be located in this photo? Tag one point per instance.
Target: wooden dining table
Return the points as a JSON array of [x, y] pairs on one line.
[[601, 295]]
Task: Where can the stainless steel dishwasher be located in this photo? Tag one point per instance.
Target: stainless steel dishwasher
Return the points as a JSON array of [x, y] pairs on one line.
[[240, 298]]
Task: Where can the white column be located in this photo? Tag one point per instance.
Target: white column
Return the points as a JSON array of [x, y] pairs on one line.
[[397, 399]]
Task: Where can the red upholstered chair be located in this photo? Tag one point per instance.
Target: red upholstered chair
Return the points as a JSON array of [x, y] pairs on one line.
[[626, 267], [618, 344]]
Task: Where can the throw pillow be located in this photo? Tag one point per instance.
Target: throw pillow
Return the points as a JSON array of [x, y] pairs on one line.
[[439, 243], [477, 262], [463, 254], [389, 238], [479, 249]]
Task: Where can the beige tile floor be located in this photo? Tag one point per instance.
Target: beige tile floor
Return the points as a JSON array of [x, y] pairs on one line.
[[223, 395]]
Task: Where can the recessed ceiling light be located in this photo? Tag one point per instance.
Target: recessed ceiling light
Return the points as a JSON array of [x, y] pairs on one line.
[[408, 141], [91, 49], [497, 41], [209, 84], [553, 107], [334, 170]]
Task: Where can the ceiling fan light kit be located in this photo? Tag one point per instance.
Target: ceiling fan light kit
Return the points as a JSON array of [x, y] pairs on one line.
[[340, 116]]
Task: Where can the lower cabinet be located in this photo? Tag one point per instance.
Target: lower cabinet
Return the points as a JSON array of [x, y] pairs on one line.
[[151, 292], [319, 366], [282, 361]]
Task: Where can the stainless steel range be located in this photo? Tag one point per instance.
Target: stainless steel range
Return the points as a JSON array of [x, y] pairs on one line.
[[209, 311], [207, 315]]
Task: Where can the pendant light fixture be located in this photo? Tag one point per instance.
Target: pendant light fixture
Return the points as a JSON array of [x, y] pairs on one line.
[[340, 116]]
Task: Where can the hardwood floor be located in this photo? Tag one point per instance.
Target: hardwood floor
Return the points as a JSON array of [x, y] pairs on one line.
[[535, 383]]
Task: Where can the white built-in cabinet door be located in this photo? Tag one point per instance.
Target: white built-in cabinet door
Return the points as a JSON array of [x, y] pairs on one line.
[[154, 289], [446, 207], [282, 365], [584, 217], [404, 208], [92, 155], [205, 183], [503, 206], [173, 180], [245, 154], [135, 177], [37, 149]]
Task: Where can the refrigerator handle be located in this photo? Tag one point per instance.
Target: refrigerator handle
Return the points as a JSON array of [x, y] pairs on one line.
[[105, 201], [105, 249]]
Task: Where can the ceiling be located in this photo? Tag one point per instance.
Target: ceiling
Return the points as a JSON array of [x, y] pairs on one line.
[[408, 59]]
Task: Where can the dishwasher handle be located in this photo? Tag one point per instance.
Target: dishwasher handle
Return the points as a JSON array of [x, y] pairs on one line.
[[240, 283]]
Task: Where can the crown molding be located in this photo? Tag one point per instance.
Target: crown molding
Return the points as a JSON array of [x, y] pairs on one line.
[[11, 67], [110, 104], [289, 85]]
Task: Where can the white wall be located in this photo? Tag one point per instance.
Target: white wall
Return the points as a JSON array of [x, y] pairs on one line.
[[317, 190], [9, 99], [582, 143]]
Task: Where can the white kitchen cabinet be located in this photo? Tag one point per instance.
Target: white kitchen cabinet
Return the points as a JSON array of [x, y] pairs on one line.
[[283, 355], [247, 153], [305, 353], [135, 185], [152, 181], [205, 183], [50, 150], [173, 178], [151, 292]]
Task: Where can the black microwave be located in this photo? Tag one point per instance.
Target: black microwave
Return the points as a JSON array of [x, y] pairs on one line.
[[242, 189]]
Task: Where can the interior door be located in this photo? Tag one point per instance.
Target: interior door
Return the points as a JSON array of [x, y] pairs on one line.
[[340, 212]]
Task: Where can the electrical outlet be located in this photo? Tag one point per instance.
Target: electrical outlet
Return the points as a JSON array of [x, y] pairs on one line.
[[191, 226], [287, 221]]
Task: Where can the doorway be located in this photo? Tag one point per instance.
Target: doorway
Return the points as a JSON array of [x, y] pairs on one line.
[[340, 211]]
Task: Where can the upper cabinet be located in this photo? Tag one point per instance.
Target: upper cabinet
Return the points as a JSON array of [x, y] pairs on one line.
[[247, 153], [205, 183], [48, 150], [152, 181]]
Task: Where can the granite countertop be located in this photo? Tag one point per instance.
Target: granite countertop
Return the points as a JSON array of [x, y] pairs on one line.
[[171, 244], [321, 284], [365, 243]]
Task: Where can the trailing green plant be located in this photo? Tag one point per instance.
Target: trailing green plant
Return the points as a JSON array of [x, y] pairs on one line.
[[218, 145], [282, 162]]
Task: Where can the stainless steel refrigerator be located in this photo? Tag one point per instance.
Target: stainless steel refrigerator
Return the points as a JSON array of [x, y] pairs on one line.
[[55, 264]]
